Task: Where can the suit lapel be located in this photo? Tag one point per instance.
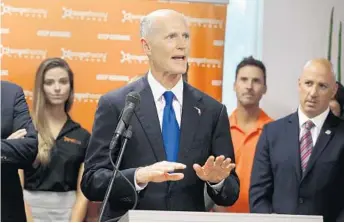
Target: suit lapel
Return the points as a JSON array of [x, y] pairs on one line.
[[292, 139], [148, 117], [191, 114], [325, 135]]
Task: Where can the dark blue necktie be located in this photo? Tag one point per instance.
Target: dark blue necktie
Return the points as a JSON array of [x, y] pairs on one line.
[[170, 129]]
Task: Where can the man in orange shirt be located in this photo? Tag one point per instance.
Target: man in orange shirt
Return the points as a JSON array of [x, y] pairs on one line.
[[246, 124]]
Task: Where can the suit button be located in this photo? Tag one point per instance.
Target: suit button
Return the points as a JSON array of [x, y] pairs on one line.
[[301, 201]]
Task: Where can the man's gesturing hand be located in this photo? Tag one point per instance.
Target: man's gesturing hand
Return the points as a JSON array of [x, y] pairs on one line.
[[214, 170], [159, 172]]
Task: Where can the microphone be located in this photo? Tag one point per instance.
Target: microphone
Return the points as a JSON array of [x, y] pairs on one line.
[[123, 131], [131, 101]]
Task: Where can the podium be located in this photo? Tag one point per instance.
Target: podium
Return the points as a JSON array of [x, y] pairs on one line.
[[184, 216]]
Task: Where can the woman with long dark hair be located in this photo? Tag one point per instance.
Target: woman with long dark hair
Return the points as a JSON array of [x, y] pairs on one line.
[[52, 185]]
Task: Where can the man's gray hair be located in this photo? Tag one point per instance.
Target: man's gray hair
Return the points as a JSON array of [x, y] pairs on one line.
[[147, 21], [145, 26]]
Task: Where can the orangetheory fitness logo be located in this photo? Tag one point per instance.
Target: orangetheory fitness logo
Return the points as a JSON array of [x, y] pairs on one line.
[[86, 97], [217, 83], [71, 140], [218, 42], [111, 77], [130, 58], [52, 33], [4, 31], [83, 56], [84, 15], [205, 62], [130, 17], [23, 53], [109, 36], [4, 72], [26, 12], [205, 22]]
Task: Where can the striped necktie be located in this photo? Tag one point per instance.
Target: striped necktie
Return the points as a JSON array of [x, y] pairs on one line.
[[306, 144]]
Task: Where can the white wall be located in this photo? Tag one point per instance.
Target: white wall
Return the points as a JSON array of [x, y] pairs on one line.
[[243, 38], [294, 31]]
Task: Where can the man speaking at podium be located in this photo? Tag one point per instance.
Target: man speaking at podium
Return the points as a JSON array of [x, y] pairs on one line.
[[181, 137]]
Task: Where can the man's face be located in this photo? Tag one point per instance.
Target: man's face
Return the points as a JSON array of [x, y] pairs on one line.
[[249, 86], [316, 89], [167, 45]]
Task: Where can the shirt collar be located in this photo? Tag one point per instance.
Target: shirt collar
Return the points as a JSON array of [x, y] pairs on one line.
[[158, 90], [263, 119], [318, 120]]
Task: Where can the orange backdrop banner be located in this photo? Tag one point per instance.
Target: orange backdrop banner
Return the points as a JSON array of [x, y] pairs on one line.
[[100, 40]]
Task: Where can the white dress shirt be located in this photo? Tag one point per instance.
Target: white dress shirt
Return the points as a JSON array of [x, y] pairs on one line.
[[318, 122], [158, 90]]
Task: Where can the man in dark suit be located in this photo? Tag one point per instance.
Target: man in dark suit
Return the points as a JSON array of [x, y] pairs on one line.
[[175, 127], [18, 149], [299, 162]]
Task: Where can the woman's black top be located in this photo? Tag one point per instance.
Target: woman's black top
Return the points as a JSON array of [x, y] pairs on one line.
[[67, 154]]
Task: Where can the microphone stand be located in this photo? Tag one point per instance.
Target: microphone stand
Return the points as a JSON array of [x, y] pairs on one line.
[[126, 136]]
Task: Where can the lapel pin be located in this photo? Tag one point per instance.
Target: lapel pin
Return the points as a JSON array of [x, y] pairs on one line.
[[198, 110], [328, 132]]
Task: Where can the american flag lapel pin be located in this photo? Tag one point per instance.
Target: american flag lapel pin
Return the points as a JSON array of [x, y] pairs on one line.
[[198, 110]]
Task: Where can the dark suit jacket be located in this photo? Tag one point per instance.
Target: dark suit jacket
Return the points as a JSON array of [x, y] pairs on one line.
[[201, 136], [15, 153], [277, 182]]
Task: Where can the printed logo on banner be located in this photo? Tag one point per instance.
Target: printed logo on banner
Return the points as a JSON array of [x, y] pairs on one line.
[[4, 72], [205, 22], [86, 97], [26, 12], [130, 58], [83, 56], [4, 31], [108, 36], [23, 53], [216, 83], [130, 17], [218, 42], [51, 33], [84, 15], [111, 77], [205, 62]]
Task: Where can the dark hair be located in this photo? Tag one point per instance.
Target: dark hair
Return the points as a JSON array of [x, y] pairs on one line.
[[250, 61], [339, 97]]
